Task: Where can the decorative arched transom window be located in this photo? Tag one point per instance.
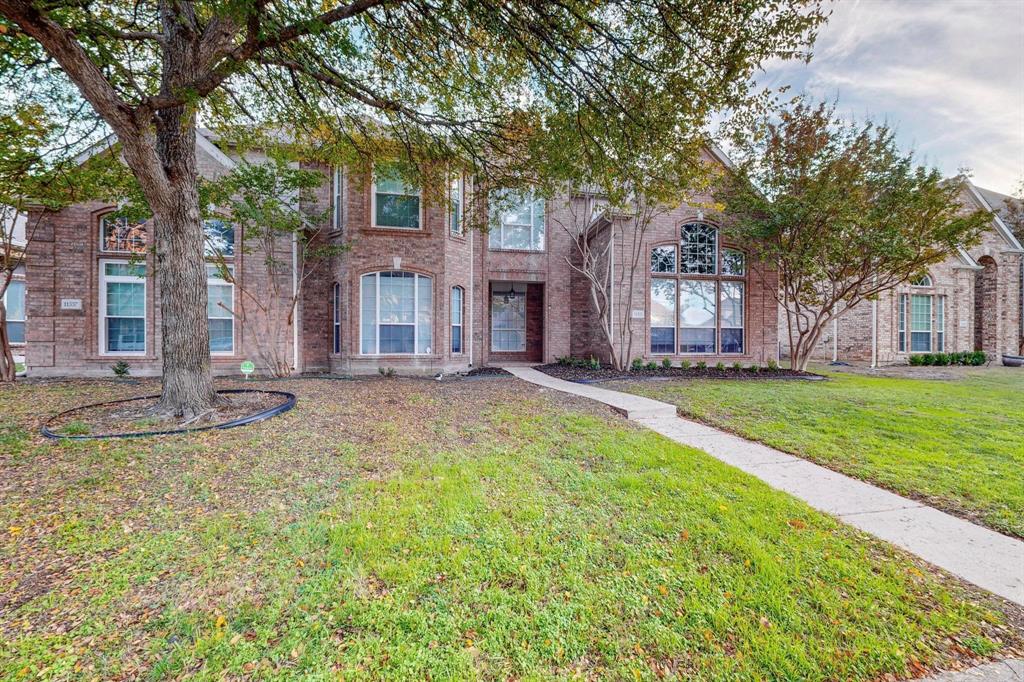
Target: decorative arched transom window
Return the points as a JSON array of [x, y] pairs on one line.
[[118, 234], [924, 280], [698, 291], [396, 313]]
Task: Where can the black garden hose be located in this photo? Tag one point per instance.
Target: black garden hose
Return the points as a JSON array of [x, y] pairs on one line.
[[289, 403]]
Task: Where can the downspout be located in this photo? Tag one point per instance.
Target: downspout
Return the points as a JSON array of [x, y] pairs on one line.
[[835, 339], [611, 284], [295, 302], [472, 288], [874, 333]]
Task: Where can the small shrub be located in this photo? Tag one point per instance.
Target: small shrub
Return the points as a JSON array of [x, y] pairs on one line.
[[685, 364], [121, 369], [941, 359], [652, 365], [637, 364], [755, 369], [594, 363], [720, 366], [928, 359], [978, 358], [388, 372], [563, 361], [916, 360], [702, 365], [737, 365], [666, 363], [773, 365]]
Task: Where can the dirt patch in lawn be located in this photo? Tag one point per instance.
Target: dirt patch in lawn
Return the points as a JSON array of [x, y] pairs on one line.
[[608, 373], [139, 416]]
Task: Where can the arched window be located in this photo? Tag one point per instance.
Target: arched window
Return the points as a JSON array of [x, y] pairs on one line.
[[120, 235], [457, 310], [396, 313], [336, 323], [924, 280], [697, 300]]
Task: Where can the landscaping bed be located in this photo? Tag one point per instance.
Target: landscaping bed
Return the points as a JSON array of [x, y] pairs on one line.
[[581, 373], [135, 416]]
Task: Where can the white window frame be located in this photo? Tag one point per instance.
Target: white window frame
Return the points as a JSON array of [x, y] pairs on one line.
[[24, 308], [931, 326], [210, 253], [526, 323], [903, 303], [216, 280], [924, 281], [456, 188], [373, 205], [939, 306], [102, 318], [415, 314], [461, 323], [532, 199]]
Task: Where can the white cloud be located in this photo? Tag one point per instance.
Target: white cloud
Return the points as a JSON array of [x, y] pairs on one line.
[[949, 74]]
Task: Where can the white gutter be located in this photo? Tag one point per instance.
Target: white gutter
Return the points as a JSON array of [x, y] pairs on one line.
[[472, 287], [874, 333], [835, 339], [295, 304]]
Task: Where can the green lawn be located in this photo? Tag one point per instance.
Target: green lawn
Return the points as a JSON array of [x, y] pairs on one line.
[[956, 443], [400, 529]]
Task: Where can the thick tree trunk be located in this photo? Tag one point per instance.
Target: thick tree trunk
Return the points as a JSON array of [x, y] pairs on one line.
[[181, 274]]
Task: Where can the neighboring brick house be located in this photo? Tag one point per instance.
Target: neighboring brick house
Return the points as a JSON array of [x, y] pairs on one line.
[[971, 301], [416, 291]]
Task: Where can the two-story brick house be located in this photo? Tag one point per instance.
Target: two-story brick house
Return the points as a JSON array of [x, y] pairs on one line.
[[416, 291]]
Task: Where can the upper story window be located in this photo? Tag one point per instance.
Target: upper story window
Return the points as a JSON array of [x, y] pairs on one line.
[[397, 312], [698, 249], [922, 281], [517, 221], [219, 238], [338, 196], [395, 203], [455, 202], [663, 259], [120, 235], [14, 303]]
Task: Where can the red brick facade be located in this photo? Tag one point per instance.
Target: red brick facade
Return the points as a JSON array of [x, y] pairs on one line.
[[64, 260]]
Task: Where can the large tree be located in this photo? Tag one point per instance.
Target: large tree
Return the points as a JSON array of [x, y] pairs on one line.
[[840, 212], [467, 81]]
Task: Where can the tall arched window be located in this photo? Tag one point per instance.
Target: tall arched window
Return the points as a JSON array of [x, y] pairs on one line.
[[396, 313], [698, 292], [336, 321], [457, 298]]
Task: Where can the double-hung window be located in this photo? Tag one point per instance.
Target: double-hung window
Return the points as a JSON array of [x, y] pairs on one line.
[[220, 306], [396, 310], [920, 323], [336, 316], [455, 202], [457, 311], [14, 303], [396, 204], [122, 308], [940, 324], [338, 199], [901, 324], [517, 221]]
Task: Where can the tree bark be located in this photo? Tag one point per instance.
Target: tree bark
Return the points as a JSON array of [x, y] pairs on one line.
[[181, 273], [7, 369]]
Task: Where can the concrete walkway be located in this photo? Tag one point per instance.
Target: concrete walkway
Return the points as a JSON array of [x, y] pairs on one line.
[[981, 556], [1000, 671]]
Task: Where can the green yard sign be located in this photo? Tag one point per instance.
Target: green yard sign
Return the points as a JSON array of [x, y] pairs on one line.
[[247, 368]]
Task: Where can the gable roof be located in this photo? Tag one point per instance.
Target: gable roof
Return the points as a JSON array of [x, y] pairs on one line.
[[997, 222], [203, 142]]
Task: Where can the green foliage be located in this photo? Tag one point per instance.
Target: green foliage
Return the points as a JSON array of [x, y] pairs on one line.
[[685, 364], [737, 365], [702, 365], [755, 368], [594, 363], [121, 369], [666, 363], [916, 360], [637, 364], [75, 428], [838, 210], [978, 358], [720, 366], [772, 365], [651, 365]]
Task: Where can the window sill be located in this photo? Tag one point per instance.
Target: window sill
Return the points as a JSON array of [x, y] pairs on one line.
[[494, 250], [411, 231]]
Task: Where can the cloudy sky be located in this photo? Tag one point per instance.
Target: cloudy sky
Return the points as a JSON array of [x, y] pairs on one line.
[[948, 73]]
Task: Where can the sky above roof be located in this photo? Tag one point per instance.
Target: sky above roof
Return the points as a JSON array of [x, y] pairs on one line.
[[948, 74]]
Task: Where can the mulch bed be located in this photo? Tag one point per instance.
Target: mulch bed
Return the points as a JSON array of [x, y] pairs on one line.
[[608, 373], [135, 416], [487, 372]]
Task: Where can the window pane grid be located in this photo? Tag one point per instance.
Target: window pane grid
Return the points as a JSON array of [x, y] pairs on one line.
[[698, 249], [663, 259], [396, 313], [517, 221], [920, 323], [118, 235], [123, 302], [396, 203], [508, 318]]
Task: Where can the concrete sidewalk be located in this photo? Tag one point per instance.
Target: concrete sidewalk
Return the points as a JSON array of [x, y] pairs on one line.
[[981, 556]]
